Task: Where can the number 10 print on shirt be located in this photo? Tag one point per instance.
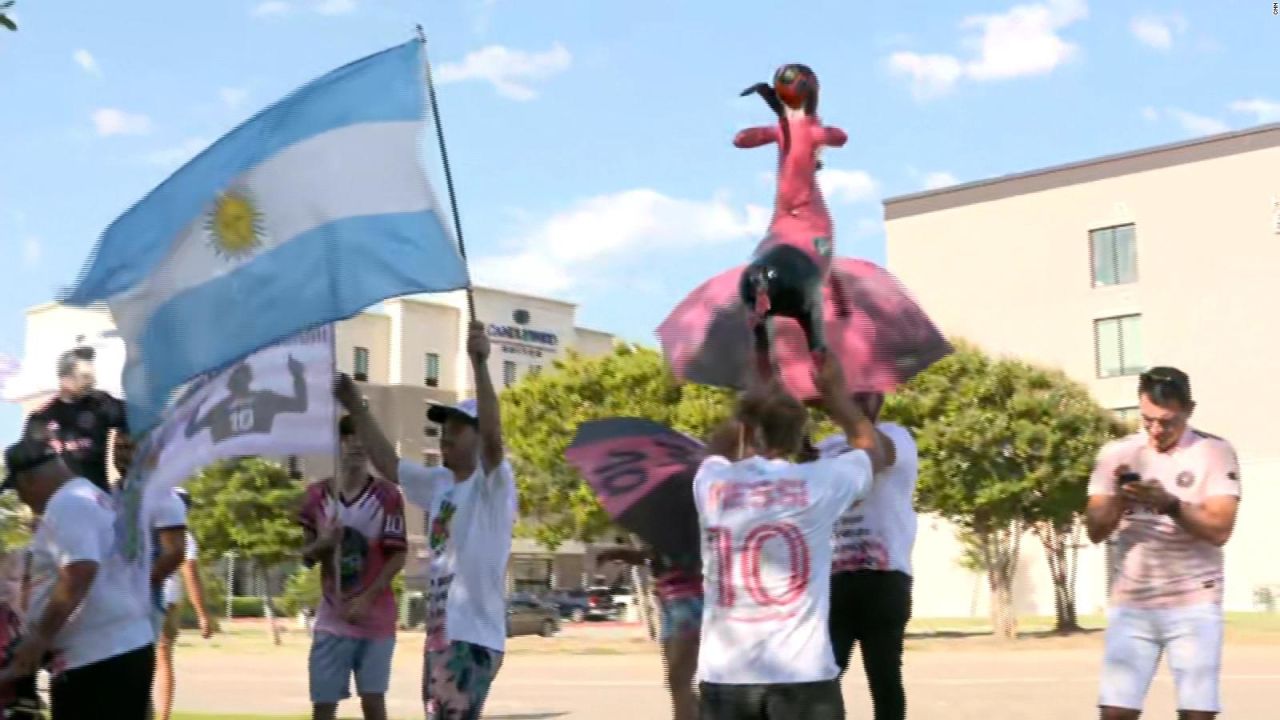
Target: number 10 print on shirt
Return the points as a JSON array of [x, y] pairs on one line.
[[761, 575]]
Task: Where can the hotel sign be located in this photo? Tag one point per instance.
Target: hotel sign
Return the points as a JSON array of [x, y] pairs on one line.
[[525, 335], [524, 341]]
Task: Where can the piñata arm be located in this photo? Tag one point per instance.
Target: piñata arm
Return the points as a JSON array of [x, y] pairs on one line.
[[756, 137], [834, 137]]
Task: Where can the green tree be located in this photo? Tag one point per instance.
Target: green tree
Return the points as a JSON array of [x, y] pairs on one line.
[[541, 413], [248, 505], [15, 520], [1005, 446], [5, 20]]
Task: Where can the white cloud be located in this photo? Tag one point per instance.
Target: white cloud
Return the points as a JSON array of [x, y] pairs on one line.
[[1197, 124], [178, 154], [233, 97], [939, 179], [32, 249], [1150, 114], [509, 71], [271, 8], [1019, 42], [616, 230], [335, 7], [110, 121], [1158, 31], [931, 75], [847, 186], [87, 62], [1266, 111]]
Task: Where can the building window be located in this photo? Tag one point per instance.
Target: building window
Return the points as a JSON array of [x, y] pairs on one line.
[[430, 429], [535, 370], [508, 373], [431, 458], [362, 364], [433, 370], [1115, 256], [1117, 342]]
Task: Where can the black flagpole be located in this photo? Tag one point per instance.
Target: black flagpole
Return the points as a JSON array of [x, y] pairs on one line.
[[448, 174]]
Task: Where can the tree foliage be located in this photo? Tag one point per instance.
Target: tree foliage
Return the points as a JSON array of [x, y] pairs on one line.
[[249, 506], [541, 413], [1005, 446]]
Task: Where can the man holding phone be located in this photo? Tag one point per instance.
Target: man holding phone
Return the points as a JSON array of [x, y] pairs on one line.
[[1169, 493]]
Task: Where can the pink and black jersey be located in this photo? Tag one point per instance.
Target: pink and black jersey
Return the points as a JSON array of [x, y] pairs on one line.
[[372, 532]]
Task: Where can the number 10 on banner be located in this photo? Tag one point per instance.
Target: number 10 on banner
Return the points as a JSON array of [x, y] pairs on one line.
[[749, 556]]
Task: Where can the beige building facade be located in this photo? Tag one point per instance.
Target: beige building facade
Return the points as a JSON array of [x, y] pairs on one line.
[[1103, 268], [406, 353]]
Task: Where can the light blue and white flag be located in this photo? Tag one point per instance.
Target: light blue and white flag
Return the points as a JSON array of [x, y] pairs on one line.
[[308, 213]]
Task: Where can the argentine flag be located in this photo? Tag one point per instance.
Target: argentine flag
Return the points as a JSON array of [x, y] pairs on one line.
[[308, 213]]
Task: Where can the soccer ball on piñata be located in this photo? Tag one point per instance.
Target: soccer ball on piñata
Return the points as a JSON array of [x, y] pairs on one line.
[[796, 86]]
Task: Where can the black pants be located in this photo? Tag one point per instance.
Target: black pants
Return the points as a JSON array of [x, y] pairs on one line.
[[785, 701], [872, 607], [117, 688]]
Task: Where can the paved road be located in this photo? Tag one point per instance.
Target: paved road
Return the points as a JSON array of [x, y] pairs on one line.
[[1038, 680]]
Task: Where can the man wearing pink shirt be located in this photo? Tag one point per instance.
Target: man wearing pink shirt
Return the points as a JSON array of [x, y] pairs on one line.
[[358, 538], [1169, 493]]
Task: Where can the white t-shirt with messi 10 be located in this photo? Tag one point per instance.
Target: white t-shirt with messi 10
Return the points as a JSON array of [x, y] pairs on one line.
[[766, 555]]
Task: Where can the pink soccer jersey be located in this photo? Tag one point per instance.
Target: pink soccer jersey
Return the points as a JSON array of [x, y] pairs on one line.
[[372, 531], [1156, 563]]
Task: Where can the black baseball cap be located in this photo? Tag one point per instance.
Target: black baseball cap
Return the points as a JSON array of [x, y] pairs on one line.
[[26, 454]]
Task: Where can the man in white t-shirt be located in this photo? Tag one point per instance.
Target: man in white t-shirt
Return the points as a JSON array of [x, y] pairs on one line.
[[471, 505], [83, 609], [182, 569], [767, 524], [871, 567], [173, 549], [1169, 494]]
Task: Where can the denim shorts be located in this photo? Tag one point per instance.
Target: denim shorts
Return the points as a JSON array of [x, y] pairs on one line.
[[334, 659]]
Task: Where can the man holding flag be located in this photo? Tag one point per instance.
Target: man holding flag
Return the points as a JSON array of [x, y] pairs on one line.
[[310, 212]]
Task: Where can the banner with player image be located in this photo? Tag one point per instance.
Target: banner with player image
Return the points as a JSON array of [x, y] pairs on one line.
[[277, 402]]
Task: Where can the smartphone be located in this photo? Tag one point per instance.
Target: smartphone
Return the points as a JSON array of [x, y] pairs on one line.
[[1128, 477]]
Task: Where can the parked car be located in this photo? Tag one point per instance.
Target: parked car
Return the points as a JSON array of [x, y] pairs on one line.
[[590, 604], [527, 615], [622, 598]]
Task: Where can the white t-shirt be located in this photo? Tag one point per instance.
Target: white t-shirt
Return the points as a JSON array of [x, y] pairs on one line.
[[168, 513], [879, 531], [469, 535], [77, 526], [766, 557], [173, 584]]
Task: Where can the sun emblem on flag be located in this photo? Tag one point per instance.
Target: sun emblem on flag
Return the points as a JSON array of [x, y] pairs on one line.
[[234, 224]]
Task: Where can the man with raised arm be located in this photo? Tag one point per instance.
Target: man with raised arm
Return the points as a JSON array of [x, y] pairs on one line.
[[471, 503], [767, 524]]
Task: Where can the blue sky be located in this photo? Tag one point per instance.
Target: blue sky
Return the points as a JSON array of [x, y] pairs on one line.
[[591, 141]]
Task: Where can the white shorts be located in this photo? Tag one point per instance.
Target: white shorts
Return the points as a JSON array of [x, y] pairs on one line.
[[1190, 636]]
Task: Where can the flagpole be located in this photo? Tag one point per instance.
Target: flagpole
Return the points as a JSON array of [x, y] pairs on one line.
[[448, 174], [335, 485]]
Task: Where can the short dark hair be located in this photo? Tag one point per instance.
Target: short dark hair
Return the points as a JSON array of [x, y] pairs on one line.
[[68, 360], [781, 420], [346, 426], [1166, 386]]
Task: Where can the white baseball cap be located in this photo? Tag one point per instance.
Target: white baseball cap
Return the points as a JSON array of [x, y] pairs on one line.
[[466, 409]]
